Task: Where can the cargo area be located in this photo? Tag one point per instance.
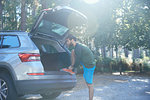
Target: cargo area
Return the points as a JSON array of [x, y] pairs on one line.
[[53, 56]]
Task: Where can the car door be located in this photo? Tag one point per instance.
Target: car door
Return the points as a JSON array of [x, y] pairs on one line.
[[56, 23]]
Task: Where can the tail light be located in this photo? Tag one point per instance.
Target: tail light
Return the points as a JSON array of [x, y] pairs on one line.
[[25, 57], [35, 74]]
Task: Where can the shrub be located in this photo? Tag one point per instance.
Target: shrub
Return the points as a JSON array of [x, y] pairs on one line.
[[146, 67], [111, 65], [108, 65], [103, 64], [123, 65]]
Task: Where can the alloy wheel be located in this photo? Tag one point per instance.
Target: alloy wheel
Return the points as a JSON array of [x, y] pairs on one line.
[[3, 90]]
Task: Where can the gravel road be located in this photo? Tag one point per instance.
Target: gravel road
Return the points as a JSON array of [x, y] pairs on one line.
[[108, 87]]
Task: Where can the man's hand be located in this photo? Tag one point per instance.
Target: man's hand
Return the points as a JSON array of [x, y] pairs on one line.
[[70, 67]]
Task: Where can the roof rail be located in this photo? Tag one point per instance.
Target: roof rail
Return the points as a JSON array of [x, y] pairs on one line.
[[11, 31]]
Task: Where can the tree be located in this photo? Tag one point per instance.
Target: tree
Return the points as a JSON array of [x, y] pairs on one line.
[[106, 33], [1, 9], [10, 14], [133, 24], [23, 15]]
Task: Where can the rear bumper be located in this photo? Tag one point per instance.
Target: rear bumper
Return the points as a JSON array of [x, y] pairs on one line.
[[43, 86]]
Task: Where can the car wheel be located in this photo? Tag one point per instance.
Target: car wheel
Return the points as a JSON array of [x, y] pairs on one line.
[[7, 90], [51, 96]]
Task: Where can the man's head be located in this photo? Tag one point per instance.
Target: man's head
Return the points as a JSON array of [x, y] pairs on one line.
[[71, 40]]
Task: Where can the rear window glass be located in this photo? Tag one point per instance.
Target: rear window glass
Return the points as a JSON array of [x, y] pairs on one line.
[[51, 28], [10, 42], [48, 49]]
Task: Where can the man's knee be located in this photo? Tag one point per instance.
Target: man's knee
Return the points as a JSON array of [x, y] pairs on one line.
[[89, 85]]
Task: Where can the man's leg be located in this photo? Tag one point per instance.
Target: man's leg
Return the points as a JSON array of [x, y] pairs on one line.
[[88, 76], [91, 91]]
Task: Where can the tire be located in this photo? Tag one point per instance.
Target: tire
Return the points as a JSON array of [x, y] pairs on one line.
[[51, 96], [7, 90]]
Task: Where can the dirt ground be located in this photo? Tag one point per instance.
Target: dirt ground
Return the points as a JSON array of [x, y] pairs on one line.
[[108, 87]]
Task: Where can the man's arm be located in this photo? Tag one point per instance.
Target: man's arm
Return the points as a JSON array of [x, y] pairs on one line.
[[72, 59], [75, 58]]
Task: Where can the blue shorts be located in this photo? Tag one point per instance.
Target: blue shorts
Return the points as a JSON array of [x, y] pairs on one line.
[[88, 74]]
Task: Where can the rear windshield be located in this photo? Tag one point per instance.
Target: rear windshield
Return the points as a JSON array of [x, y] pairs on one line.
[[48, 49], [48, 27]]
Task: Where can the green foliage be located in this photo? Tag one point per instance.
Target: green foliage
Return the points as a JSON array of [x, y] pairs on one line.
[[133, 24], [111, 23], [111, 65], [128, 25], [145, 64], [124, 65], [10, 14], [146, 67]]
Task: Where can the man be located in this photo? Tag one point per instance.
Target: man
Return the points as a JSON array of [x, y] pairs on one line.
[[81, 54]]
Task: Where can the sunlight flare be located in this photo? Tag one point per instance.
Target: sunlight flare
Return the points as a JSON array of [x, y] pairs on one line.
[[91, 1]]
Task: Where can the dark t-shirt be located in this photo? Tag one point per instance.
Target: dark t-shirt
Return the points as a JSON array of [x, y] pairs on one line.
[[83, 55]]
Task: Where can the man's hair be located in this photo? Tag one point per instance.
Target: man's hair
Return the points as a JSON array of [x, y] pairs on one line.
[[70, 37]]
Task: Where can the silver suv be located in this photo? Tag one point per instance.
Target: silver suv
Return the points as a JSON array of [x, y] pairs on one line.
[[31, 62]]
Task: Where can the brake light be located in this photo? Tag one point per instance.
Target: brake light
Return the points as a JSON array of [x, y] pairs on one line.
[[35, 73], [29, 57]]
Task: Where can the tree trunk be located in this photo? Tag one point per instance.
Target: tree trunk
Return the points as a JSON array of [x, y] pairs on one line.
[[147, 53], [136, 53], [1, 16], [141, 55], [116, 49], [126, 52], [33, 10], [15, 19], [23, 15], [117, 53], [103, 52], [111, 52], [97, 51]]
